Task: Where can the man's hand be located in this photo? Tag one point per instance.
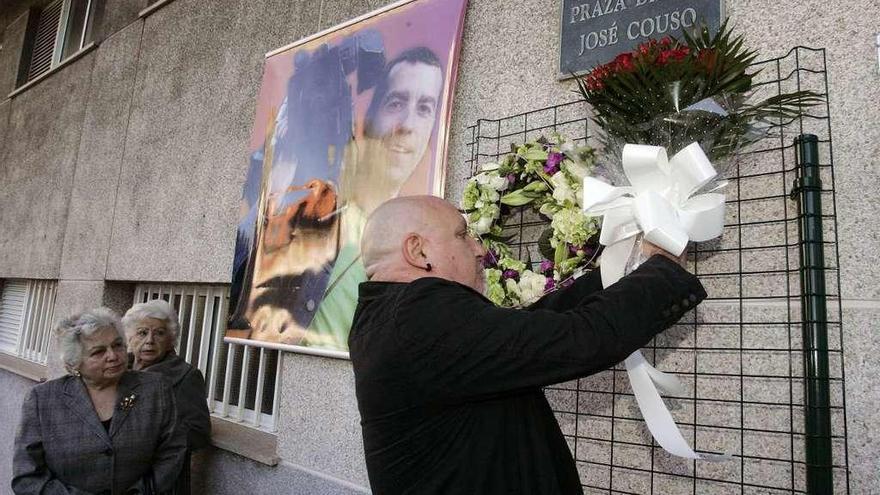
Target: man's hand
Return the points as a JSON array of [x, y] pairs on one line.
[[649, 250]]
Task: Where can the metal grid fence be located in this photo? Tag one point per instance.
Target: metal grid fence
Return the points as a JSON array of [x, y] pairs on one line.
[[741, 353]]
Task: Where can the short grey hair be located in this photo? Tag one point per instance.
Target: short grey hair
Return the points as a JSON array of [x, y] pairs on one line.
[[70, 332], [158, 309]]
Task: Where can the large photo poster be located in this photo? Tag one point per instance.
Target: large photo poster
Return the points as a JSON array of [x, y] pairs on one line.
[[345, 120]]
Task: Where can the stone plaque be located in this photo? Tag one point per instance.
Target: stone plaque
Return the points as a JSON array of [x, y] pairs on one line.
[[593, 32]]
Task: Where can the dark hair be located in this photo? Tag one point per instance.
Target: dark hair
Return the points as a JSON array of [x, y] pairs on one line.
[[417, 55]]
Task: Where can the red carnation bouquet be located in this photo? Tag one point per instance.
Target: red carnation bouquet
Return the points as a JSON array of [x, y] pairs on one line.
[[670, 92]]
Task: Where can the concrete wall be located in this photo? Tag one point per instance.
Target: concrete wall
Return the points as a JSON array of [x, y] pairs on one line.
[[220, 472], [14, 389], [127, 165]]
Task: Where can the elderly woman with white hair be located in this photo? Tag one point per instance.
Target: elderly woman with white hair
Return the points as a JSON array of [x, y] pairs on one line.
[[101, 429], [152, 331]]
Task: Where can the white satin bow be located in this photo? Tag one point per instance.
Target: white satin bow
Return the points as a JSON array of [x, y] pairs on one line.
[[660, 203]]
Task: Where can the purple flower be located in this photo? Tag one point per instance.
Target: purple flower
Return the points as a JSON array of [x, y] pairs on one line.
[[546, 266], [573, 250], [511, 178], [510, 274], [491, 259], [566, 282], [553, 161], [549, 285]]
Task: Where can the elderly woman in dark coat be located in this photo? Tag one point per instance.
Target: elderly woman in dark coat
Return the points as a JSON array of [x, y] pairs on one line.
[[101, 429], [152, 331]]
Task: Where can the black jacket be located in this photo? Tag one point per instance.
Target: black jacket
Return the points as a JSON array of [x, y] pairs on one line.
[[190, 393], [192, 409], [448, 385]]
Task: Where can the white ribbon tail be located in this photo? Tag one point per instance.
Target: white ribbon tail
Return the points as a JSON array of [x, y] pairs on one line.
[[614, 258], [667, 383], [656, 415], [660, 205]]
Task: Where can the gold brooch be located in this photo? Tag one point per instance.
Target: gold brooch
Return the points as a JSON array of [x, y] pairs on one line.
[[127, 402]]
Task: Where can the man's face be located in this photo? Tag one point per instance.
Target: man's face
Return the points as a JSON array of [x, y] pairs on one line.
[[405, 118], [453, 252]]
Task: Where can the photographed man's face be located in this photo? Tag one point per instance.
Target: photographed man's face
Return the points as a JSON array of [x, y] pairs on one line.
[[406, 115]]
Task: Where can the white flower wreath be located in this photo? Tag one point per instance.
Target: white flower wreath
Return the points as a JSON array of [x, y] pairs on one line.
[[545, 175]]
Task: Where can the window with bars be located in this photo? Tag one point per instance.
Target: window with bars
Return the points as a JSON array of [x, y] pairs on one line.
[[242, 380], [56, 32], [27, 310]]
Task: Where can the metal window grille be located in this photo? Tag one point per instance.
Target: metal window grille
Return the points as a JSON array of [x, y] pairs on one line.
[[61, 31], [27, 310], [242, 380], [741, 354]]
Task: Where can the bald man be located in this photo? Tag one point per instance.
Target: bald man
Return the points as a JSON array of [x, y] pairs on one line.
[[449, 385]]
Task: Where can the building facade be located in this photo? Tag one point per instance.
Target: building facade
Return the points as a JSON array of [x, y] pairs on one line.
[[124, 149]]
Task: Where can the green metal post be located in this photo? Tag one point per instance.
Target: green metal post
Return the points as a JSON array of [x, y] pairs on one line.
[[817, 415]]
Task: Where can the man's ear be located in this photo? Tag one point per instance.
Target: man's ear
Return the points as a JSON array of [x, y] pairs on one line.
[[413, 250]]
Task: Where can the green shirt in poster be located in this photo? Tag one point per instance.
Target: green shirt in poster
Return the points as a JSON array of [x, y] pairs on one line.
[[332, 322]]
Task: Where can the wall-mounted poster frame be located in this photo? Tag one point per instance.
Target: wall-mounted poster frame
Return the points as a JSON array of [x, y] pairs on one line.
[[346, 119]]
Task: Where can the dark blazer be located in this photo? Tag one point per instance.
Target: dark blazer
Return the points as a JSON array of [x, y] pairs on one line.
[[448, 384], [191, 399], [62, 448]]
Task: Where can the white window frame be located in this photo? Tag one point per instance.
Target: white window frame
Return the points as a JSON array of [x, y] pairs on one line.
[[211, 343], [32, 321], [62, 31]]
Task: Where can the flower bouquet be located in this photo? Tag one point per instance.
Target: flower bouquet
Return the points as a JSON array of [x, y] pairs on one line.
[[671, 93], [693, 99], [675, 94], [546, 176]]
